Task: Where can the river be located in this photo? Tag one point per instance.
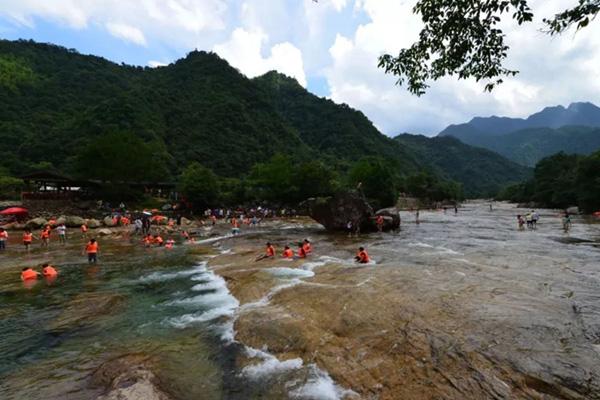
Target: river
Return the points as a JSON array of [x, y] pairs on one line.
[[459, 306]]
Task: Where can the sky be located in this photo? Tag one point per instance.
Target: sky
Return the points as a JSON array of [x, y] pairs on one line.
[[330, 46]]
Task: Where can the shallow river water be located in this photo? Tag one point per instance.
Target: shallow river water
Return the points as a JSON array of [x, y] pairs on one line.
[[459, 306]]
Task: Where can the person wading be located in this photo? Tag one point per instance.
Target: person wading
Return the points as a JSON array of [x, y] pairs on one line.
[[92, 249]]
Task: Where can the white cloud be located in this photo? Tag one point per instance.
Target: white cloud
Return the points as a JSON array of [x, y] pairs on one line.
[[553, 71], [156, 64], [127, 33], [176, 22], [244, 51]]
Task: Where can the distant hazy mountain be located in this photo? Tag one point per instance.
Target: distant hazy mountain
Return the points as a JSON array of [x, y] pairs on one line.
[[526, 141], [481, 171]]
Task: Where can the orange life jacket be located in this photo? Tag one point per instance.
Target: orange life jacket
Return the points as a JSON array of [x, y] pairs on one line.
[[301, 252], [363, 257], [235, 223], [307, 248], [28, 274], [270, 251], [49, 271], [45, 234], [288, 253], [27, 237], [158, 240], [3, 235], [92, 248], [380, 220]]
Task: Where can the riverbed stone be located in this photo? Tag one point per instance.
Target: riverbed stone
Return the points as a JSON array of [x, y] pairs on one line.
[[104, 232], [36, 223], [128, 377], [86, 308], [73, 221], [93, 223], [335, 212], [108, 221]]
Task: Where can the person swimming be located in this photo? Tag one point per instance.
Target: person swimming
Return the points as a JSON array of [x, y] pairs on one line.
[[301, 253], [29, 274], [362, 257], [49, 271], [287, 252], [307, 246]]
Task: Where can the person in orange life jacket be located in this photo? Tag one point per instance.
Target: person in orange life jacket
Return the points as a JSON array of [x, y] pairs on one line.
[[84, 230], [45, 236], [92, 249], [287, 252], [27, 239], [158, 240], [148, 240], [49, 271], [379, 222], [301, 253], [362, 256], [28, 274], [269, 252], [3, 238], [307, 247]]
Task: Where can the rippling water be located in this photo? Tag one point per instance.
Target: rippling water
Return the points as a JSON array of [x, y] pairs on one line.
[[526, 301]]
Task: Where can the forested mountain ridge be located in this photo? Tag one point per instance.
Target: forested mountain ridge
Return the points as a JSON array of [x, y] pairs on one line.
[[66, 110], [482, 171], [575, 129], [582, 114]]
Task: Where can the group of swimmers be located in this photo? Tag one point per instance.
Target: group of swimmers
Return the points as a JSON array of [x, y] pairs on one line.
[[304, 250], [157, 240]]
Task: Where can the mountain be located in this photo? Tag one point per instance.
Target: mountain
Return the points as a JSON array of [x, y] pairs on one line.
[[481, 171], [56, 103], [574, 129], [528, 146], [582, 114]]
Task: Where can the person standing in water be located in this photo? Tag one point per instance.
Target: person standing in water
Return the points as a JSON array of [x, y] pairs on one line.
[[301, 253], [84, 230], [520, 222], [27, 239], [455, 209], [62, 233], [92, 249], [566, 221], [362, 257], [417, 217], [235, 226], [307, 246], [3, 239], [535, 217], [379, 222], [45, 236]]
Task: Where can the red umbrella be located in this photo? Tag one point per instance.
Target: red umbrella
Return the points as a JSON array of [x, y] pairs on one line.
[[14, 211]]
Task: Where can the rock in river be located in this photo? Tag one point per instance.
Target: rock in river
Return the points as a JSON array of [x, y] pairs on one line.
[[128, 377], [335, 212]]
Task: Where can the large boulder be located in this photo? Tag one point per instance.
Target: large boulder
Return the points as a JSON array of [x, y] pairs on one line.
[[73, 221], [36, 223], [335, 212], [93, 223], [61, 220], [573, 210], [391, 218], [104, 232]]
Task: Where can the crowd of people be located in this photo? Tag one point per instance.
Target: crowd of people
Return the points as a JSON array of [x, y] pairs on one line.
[[142, 225]]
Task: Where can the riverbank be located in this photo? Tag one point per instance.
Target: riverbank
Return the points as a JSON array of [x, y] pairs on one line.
[[458, 306]]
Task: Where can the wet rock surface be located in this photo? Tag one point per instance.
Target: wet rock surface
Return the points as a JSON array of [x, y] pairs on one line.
[[86, 308], [128, 377]]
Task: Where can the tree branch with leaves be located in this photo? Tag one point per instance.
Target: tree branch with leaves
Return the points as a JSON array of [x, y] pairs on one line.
[[461, 38]]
